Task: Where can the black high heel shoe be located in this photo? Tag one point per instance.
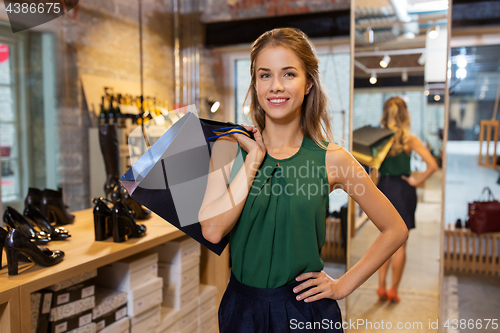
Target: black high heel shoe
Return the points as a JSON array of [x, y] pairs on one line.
[[55, 233], [3, 238], [124, 225], [103, 220], [13, 219], [121, 193], [16, 243], [54, 209]]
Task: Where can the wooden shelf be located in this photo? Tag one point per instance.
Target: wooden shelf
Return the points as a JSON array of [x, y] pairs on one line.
[[83, 253], [9, 308]]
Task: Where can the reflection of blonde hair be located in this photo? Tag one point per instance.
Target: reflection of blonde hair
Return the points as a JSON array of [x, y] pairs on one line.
[[396, 118], [314, 119]]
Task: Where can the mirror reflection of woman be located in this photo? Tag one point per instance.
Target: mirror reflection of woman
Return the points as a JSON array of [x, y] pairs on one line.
[[273, 213], [399, 186]]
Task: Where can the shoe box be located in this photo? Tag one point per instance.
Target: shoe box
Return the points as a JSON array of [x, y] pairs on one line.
[[129, 273], [207, 309], [120, 326], [111, 306], [178, 250], [146, 321], [169, 322]]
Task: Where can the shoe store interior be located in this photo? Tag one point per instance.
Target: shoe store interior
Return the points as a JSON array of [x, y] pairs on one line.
[[90, 99]]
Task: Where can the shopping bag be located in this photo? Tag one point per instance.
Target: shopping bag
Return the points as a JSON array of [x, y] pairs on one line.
[[368, 140], [170, 178], [484, 216]]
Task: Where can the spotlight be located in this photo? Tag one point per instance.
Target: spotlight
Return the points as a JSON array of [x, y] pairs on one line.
[[461, 73], [426, 93], [373, 78], [369, 35], [434, 31], [404, 76], [421, 59], [437, 98], [385, 61], [213, 106]]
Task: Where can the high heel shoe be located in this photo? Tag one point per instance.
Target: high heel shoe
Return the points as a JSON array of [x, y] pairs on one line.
[[13, 219], [382, 294], [103, 221], [124, 225], [3, 237], [121, 193], [392, 296], [16, 243], [55, 233], [54, 209]]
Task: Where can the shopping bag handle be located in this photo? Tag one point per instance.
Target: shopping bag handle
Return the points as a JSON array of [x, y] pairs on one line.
[[489, 195]]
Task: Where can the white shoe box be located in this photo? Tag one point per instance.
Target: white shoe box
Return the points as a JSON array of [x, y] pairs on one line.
[[130, 272], [208, 321], [147, 321], [180, 275], [177, 297], [207, 298], [169, 321], [178, 250], [144, 297], [188, 317], [120, 326]]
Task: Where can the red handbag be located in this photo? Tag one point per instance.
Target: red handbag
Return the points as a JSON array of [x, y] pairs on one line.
[[484, 216]]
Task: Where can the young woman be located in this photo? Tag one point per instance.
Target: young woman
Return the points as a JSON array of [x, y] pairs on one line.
[[398, 185], [274, 208]]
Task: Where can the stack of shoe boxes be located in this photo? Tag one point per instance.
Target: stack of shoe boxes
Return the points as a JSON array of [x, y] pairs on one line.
[[207, 309], [111, 306], [179, 266], [138, 277], [66, 306]]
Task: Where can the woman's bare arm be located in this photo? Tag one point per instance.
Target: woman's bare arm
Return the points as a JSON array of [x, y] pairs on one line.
[[346, 173], [222, 204], [425, 154]]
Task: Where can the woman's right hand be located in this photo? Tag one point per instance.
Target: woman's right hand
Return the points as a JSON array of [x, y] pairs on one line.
[[256, 146]]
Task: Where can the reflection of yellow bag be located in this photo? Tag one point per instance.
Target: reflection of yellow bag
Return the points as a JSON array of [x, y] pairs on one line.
[[374, 161]]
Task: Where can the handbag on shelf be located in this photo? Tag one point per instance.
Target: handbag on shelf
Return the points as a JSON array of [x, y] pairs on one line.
[[484, 215]]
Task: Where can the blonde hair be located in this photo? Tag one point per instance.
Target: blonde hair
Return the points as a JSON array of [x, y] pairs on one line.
[[314, 119], [397, 118]]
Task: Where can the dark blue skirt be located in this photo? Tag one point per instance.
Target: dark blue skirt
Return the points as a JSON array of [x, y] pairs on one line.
[[402, 195], [246, 309]]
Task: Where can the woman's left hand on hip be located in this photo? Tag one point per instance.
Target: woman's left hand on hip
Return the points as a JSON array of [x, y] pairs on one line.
[[320, 285]]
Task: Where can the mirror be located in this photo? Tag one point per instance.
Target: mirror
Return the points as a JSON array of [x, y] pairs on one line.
[[400, 50]]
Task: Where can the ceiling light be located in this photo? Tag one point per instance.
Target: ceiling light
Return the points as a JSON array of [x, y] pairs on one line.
[[421, 59], [373, 78], [426, 93], [434, 31], [461, 62], [461, 73], [215, 107], [369, 35], [385, 61], [437, 98], [409, 35], [404, 76]]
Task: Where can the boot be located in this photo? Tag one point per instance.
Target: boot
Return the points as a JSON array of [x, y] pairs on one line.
[[110, 152], [34, 198], [54, 208]]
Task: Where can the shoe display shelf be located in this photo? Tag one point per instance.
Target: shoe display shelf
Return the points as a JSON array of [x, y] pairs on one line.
[[82, 254]]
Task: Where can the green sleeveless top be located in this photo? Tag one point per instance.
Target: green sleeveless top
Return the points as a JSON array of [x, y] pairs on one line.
[[281, 229], [396, 165]]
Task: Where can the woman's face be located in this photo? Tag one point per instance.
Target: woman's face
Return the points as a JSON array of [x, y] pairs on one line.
[[281, 83]]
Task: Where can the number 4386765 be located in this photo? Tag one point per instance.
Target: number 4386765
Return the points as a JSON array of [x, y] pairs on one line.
[[33, 8], [472, 324]]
